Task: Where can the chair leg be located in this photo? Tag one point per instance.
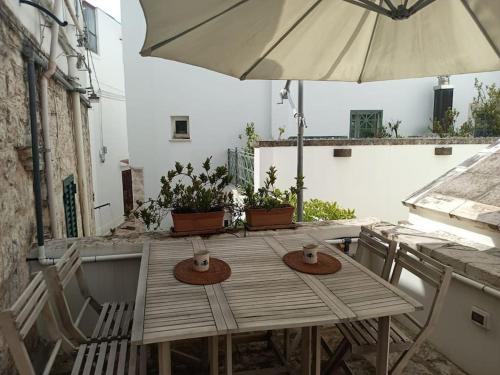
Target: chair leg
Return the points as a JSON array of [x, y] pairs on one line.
[[337, 358], [326, 347]]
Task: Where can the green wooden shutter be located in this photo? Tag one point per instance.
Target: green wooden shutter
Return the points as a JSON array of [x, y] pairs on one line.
[[69, 191]]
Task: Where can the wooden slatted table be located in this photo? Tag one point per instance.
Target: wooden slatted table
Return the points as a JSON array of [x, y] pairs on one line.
[[261, 294]]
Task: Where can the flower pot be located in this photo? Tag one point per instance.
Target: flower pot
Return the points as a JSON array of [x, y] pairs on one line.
[[199, 221], [261, 217]]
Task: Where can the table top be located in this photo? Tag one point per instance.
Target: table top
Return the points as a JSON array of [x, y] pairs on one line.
[[261, 294]]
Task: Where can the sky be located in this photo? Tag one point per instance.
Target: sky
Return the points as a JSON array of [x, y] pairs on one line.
[[112, 7]]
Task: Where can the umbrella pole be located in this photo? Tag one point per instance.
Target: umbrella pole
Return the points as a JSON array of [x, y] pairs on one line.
[[300, 151]]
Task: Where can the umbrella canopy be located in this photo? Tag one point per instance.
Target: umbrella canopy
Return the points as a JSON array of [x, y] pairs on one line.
[[339, 40]]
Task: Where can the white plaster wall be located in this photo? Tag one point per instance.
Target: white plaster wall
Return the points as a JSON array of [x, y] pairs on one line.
[[218, 107], [469, 346], [108, 123], [327, 105], [373, 181]]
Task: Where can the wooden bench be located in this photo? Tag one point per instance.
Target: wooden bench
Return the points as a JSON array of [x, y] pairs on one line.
[[361, 337], [115, 318], [113, 357]]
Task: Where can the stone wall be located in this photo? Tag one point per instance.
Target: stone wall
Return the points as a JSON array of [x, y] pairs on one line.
[[17, 214]]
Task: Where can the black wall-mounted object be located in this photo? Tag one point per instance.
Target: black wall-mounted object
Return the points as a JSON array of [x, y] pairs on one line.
[[443, 151], [443, 100], [342, 152]]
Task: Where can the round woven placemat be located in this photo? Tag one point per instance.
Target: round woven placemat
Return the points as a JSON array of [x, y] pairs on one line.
[[326, 263], [218, 272]]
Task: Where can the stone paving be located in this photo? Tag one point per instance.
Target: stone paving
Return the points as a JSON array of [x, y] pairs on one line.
[[253, 356]]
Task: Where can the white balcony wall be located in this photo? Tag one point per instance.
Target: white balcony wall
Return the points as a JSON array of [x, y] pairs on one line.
[[373, 181]]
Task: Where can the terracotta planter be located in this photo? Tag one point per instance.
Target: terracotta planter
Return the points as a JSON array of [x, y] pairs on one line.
[[260, 217], [200, 221]]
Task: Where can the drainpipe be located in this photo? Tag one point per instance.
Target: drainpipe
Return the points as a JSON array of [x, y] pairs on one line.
[[73, 16], [35, 153], [44, 117], [80, 154]]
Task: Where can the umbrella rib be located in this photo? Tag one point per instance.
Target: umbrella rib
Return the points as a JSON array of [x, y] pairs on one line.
[[481, 28], [420, 4], [166, 41], [296, 23], [369, 47], [370, 6]]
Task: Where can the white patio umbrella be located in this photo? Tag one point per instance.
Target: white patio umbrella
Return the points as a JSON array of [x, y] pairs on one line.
[[338, 40]]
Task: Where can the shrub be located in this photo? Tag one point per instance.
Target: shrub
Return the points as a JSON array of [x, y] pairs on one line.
[[486, 110], [318, 210], [182, 191], [251, 137], [268, 196]]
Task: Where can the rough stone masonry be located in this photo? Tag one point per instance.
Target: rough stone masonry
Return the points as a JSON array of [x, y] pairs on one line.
[[17, 214]]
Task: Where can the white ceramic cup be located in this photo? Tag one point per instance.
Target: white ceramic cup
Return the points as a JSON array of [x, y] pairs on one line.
[[201, 261], [310, 253]]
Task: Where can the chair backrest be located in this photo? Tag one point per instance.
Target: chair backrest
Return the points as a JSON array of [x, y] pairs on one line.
[[58, 277], [378, 245], [17, 321], [428, 270]]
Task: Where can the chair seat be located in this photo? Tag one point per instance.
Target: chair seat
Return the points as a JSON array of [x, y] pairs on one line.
[[113, 357], [362, 336], [114, 323]]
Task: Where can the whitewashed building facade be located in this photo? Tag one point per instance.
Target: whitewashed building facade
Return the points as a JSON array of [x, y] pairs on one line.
[[107, 120]]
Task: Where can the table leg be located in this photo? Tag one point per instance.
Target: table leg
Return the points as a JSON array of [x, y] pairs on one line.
[[316, 349], [213, 347], [306, 351], [287, 344], [229, 354], [384, 326], [165, 363]]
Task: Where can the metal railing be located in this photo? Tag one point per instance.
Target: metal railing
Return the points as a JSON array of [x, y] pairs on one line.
[[240, 165]]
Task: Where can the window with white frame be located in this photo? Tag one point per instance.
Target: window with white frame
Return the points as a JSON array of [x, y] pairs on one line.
[[180, 127], [89, 16]]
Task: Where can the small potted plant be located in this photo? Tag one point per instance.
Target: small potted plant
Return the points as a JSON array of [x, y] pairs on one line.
[[269, 206], [197, 201]]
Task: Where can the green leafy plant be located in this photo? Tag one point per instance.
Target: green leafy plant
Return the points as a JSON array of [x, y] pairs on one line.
[[394, 127], [446, 126], [182, 191], [486, 110], [465, 130], [268, 196], [281, 131], [382, 132], [319, 210], [250, 136]]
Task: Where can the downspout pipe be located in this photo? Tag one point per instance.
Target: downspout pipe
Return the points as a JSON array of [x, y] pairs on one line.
[[44, 112], [72, 13], [32, 97], [80, 153]]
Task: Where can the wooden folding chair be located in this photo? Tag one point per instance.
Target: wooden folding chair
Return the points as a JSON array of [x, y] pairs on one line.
[[115, 318], [114, 357], [361, 337], [376, 244]]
